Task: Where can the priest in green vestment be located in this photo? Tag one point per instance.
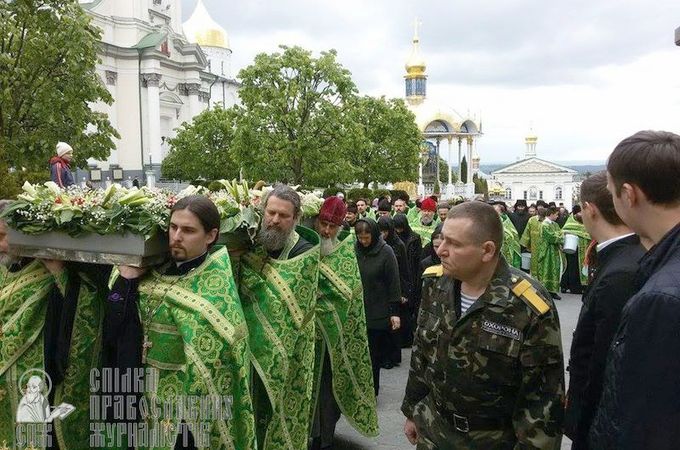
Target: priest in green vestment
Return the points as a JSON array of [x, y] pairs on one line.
[[278, 283], [551, 262], [510, 249], [427, 222], [183, 325], [575, 227], [49, 328], [343, 380], [532, 234]]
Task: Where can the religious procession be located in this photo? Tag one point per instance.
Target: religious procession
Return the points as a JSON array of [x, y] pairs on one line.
[[269, 240]]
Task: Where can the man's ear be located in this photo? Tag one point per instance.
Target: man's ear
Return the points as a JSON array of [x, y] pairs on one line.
[[212, 235], [488, 251], [631, 194]]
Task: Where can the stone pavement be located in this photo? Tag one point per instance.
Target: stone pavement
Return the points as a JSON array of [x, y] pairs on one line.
[[392, 383]]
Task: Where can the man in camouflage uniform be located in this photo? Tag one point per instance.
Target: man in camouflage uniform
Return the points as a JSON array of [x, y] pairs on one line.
[[492, 377]]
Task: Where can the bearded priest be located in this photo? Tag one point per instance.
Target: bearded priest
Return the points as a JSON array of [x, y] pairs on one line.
[[343, 380]]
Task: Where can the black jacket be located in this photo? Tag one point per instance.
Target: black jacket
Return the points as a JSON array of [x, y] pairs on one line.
[[612, 286], [399, 249], [640, 404], [380, 279], [414, 249]]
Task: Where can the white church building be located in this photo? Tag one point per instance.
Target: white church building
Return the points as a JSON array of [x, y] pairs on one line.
[[533, 179], [160, 74]]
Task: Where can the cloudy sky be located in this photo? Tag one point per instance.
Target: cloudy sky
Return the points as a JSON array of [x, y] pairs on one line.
[[583, 73]]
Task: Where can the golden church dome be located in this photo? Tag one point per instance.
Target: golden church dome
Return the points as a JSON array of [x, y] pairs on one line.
[[415, 64], [203, 30]]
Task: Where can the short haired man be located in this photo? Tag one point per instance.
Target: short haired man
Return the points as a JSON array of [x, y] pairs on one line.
[[442, 210], [278, 286], [400, 206], [486, 369], [618, 253], [342, 371], [362, 206], [350, 217], [162, 320], [39, 303], [60, 165], [640, 405]]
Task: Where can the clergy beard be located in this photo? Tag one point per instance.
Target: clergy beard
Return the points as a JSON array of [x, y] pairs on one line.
[[7, 260], [272, 238], [327, 245], [426, 221]]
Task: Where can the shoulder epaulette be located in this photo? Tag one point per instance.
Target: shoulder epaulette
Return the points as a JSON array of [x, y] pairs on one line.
[[433, 271], [524, 290]]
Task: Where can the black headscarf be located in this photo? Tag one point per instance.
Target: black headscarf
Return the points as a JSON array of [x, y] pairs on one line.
[[386, 223], [376, 238], [401, 221]]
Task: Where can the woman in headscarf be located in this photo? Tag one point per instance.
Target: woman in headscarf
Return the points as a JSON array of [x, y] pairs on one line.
[[414, 251], [386, 226], [382, 292]]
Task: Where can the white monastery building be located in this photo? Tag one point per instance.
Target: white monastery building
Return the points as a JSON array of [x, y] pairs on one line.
[[160, 74], [534, 179]]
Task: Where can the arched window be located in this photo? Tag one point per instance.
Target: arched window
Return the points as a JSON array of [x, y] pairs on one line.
[[558, 193], [508, 193]]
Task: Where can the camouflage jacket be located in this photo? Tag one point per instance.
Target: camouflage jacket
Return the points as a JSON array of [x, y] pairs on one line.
[[498, 369]]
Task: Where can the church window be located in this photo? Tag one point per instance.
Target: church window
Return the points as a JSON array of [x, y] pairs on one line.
[[222, 64], [558, 193], [525, 195], [540, 195], [508, 193]]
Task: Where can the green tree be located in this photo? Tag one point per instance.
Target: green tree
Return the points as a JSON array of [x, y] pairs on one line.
[[203, 148], [463, 169], [388, 144], [293, 125], [48, 82]]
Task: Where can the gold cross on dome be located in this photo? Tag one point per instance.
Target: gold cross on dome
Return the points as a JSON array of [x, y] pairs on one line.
[[416, 23]]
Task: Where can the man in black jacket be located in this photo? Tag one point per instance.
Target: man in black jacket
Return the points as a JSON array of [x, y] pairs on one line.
[[618, 253], [640, 404]]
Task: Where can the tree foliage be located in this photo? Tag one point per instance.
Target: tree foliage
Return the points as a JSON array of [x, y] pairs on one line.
[[388, 144], [48, 82], [203, 148], [293, 123]]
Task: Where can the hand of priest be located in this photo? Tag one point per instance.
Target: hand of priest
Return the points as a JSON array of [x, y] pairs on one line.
[[55, 266], [131, 273], [395, 321]]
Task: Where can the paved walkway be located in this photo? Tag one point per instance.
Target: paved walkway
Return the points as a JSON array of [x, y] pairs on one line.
[[392, 383]]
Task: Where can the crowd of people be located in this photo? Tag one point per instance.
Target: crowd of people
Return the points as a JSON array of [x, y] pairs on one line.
[[295, 331]]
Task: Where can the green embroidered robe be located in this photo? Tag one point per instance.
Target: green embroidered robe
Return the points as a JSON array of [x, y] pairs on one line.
[[23, 304], [341, 330], [279, 300], [424, 231], [511, 249], [199, 348], [551, 262], [572, 226], [530, 239]]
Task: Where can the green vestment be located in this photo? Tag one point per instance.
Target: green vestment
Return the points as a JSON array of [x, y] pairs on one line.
[[424, 231], [551, 264], [341, 329], [24, 296], [530, 239], [199, 348], [279, 300], [511, 249], [572, 226]]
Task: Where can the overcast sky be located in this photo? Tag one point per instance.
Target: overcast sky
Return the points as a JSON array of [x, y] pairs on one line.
[[584, 73]]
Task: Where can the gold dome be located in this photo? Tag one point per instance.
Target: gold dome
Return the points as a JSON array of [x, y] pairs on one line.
[[203, 30], [415, 64]]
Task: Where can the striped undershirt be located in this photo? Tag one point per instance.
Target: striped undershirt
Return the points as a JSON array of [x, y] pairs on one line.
[[465, 302]]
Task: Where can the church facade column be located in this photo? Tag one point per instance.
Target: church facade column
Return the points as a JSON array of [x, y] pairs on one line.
[[449, 140], [152, 82], [460, 169], [469, 160], [193, 91]]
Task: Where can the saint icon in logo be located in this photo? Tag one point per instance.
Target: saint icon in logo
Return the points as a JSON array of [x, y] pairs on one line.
[[35, 386]]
